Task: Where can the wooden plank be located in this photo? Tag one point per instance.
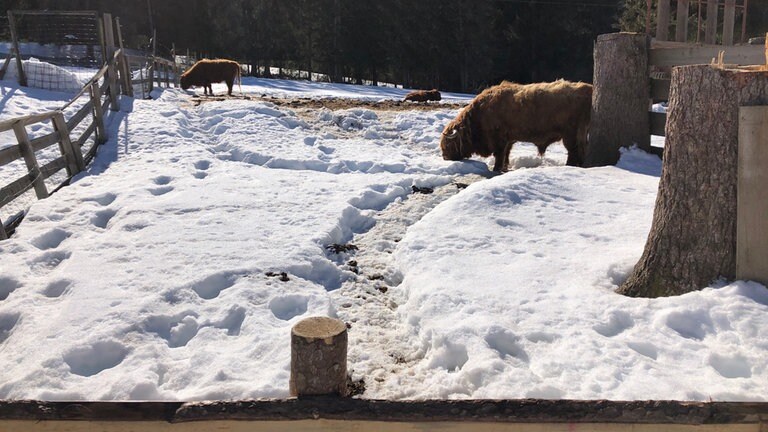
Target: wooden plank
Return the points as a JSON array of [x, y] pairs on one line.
[[44, 141], [125, 68], [710, 32], [72, 155], [98, 114], [660, 89], [9, 154], [29, 158], [6, 125], [350, 426], [80, 115], [15, 48], [3, 233], [111, 77], [662, 20], [658, 123], [53, 167], [5, 64], [12, 190], [681, 25], [85, 13], [703, 54], [80, 141], [752, 195], [729, 21]]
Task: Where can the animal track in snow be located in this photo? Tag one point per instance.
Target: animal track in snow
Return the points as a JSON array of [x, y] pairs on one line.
[[644, 348], [210, 287], [103, 199], [690, 324], [57, 288], [736, 366], [50, 240], [160, 190], [202, 165], [506, 344], [7, 322], [90, 360], [101, 218], [233, 321], [451, 357], [177, 330], [200, 175], [617, 322], [7, 286], [162, 180], [48, 261], [288, 307]]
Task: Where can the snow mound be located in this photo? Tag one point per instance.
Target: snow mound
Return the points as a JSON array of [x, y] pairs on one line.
[[45, 76]]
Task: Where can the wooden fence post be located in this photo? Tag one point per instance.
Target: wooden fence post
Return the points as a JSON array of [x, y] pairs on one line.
[[98, 114], [151, 74], [29, 158], [68, 150], [662, 21], [729, 20], [3, 234], [319, 357], [620, 98], [681, 26], [710, 33], [109, 38], [752, 201], [125, 67], [15, 42]]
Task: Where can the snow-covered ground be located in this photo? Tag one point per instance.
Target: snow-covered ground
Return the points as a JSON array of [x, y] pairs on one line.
[[157, 274]]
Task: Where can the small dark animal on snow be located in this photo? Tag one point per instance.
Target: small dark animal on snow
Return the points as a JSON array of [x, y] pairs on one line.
[[205, 72], [423, 96], [541, 113]]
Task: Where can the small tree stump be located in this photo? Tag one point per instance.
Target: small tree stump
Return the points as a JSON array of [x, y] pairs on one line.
[[319, 357], [693, 237], [620, 97]]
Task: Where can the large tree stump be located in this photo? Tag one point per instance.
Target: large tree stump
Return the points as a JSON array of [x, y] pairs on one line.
[[319, 357], [693, 237], [620, 97]]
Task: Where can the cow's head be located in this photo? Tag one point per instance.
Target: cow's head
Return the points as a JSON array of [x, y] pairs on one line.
[[456, 141], [184, 81]]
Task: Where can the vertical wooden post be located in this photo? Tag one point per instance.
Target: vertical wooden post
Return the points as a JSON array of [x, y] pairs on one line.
[[109, 38], [167, 75], [98, 114], [620, 97], [662, 21], [29, 158], [752, 200], [318, 357], [729, 20], [75, 164], [125, 67], [710, 32], [681, 27], [151, 74], [15, 42]]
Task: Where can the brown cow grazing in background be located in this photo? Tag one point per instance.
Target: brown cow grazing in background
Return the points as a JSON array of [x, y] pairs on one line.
[[205, 72], [423, 96], [541, 113]]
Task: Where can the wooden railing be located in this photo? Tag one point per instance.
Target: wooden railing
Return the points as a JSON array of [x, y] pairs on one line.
[[663, 56], [153, 71], [101, 97]]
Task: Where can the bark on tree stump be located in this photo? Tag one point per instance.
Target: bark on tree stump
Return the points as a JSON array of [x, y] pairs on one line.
[[620, 97], [318, 357], [693, 237]]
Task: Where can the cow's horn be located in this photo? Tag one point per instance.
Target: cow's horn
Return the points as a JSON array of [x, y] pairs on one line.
[[451, 134]]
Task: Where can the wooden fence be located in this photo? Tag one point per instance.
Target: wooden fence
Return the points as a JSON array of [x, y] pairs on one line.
[[708, 17], [103, 91]]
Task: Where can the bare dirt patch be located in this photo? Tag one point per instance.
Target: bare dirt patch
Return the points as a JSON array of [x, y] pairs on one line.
[[334, 104]]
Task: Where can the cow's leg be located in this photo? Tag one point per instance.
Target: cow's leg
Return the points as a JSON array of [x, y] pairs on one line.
[[574, 155], [230, 83], [210, 89], [501, 157]]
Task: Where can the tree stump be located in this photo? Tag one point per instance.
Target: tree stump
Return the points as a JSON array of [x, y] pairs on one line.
[[693, 237], [620, 97], [319, 357]]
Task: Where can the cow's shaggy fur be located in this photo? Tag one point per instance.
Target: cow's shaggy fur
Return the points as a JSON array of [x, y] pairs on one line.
[[540, 113], [423, 96], [205, 72]]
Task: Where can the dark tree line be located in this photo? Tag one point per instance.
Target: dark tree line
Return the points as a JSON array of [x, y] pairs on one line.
[[460, 45]]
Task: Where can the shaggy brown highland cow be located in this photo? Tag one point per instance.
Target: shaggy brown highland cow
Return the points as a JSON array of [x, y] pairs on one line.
[[205, 72], [423, 96], [501, 115]]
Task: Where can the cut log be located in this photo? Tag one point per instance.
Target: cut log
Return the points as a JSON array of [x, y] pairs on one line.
[[318, 357]]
